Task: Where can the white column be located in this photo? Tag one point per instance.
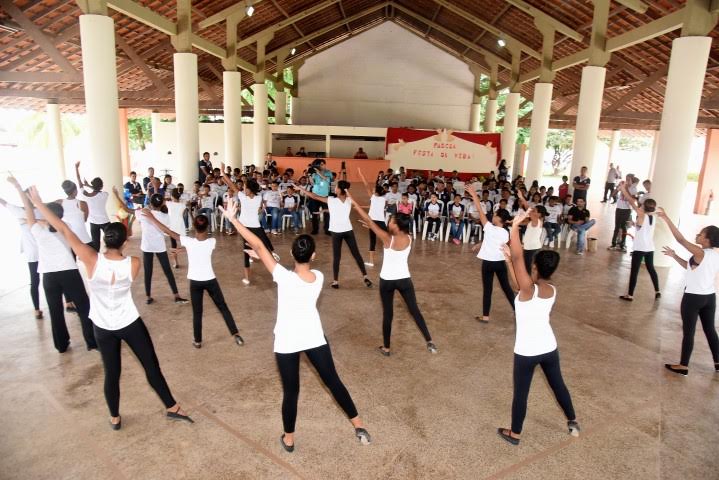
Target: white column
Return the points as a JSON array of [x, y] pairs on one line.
[[260, 131], [490, 116], [588, 115], [54, 135], [291, 108], [232, 110], [328, 144], [281, 108], [474, 115], [155, 126], [97, 35], [614, 146], [509, 134], [655, 149], [186, 118], [540, 124], [685, 80]]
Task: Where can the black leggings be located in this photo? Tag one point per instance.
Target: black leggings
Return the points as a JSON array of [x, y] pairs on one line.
[[95, 234], [621, 217], [349, 238], [197, 290], [260, 232], [138, 338], [637, 257], [68, 283], [373, 236], [289, 367], [406, 289], [34, 284], [704, 307], [489, 269], [147, 265], [523, 372], [529, 259]]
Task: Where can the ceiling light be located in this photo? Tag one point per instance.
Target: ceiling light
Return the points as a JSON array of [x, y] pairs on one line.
[[292, 52], [501, 42], [250, 10]]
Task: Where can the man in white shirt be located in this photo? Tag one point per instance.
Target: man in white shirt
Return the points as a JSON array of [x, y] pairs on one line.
[[612, 177], [551, 222], [623, 214]]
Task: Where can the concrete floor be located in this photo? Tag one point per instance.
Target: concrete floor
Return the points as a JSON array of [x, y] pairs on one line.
[[431, 416]]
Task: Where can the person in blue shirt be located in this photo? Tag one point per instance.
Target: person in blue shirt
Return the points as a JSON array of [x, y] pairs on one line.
[[320, 180]]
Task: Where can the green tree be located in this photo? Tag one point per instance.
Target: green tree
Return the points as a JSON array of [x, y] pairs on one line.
[[562, 142], [139, 131], [32, 129]]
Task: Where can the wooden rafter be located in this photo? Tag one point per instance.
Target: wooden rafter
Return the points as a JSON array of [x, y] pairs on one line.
[[639, 88]]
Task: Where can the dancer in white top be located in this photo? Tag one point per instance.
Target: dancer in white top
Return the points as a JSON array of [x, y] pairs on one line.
[[395, 273], [643, 243], [200, 273], [495, 235], [535, 343], [96, 204], [533, 229], [341, 229], [377, 206], [299, 329], [699, 300], [75, 212], [113, 312]]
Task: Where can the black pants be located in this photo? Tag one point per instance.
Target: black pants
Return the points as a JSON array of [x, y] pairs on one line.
[[147, 265], [197, 290], [489, 269], [34, 284], [704, 307], [637, 257], [95, 234], [67, 283], [529, 259], [314, 206], [260, 233], [138, 338], [621, 217], [608, 189], [433, 224], [405, 287], [523, 372], [349, 238], [373, 236], [289, 367]]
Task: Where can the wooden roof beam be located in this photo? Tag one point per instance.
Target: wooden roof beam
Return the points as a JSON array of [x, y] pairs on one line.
[[239, 7], [636, 5], [541, 16], [639, 88]]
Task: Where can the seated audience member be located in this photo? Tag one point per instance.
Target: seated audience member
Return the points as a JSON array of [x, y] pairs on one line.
[[579, 221], [360, 154], [551, 222], [301, 152], [288, 152], [393, 198], [456, 219], [291, 206], [433, 213], [134, 190]]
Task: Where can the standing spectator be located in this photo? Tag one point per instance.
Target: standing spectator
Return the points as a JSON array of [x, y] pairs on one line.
[[579, 221], [301, 152], [288, 152], [321, 180], [612, 177], [563, 190], [205, 167], [580, 184], [360, 154], [623, 214]]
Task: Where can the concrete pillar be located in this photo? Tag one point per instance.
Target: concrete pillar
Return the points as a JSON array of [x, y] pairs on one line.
[[614, 147], [655, 149], [232, 109], [186, 119], [509, 134], [281, 108], [708, 188], [124, 142], [53, 124], [490, 116], [588, 115], [97, 35], [291, 108], [260, 131], [685, 80], [538, 136], [155, 126], [328, 143], [474, 115]]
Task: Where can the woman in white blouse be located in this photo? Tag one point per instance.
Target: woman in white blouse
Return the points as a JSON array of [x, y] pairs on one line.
[[96, 205]]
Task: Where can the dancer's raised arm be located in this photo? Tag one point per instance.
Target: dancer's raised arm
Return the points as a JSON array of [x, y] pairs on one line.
[[230, 213], [228, 181], [313, 195], [160, 226], [29, 214], [364, 216], [475, 198], [524, 281], [694, 249], [81, 184]]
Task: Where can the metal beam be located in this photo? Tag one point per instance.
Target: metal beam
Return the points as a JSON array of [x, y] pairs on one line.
[[540, 15], [223, 14], [487, 26]]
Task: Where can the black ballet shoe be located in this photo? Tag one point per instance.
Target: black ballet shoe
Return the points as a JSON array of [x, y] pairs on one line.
[[288, 448], [431, 347], [178, 416], [573, 427], [238, 340], [657, 295], [116, 426], [368, 282], [335, 285], [626, 298], [70, 309], [150, 301], [383, 351], [197, 344], [680, 371], [362, 435], [38, 315], [507, 436]]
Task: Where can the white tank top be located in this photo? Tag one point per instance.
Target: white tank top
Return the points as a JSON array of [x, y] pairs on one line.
[[533, 236], [534, 333], [249, 210], [644, 238], [75, 219], [394, 264], [376, 207], [111, 304]]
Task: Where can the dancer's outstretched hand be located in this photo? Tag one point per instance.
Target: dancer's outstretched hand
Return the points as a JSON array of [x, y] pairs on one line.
[[520, 217], [506, 252], [471, 191], [34, 195], [668, 252], [230, 211], [661, 213]]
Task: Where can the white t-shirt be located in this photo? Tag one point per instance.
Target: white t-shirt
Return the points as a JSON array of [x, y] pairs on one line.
[[622, 201], [298, 324], [494, 238], [339, 214], [376, 207], [553, 213], [700, 280], [249, 208], [199, 258], [153, 240], [433, 209], [291, 201], [96, 206], [272, 198], [174, 212], [55, 254], [393, 198]]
